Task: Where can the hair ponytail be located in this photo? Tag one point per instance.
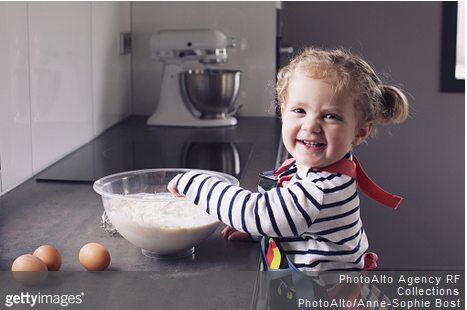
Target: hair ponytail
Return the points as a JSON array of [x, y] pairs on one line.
[[395, 106]]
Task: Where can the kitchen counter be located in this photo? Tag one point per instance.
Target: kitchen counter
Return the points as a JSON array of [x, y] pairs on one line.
[[67, 214]]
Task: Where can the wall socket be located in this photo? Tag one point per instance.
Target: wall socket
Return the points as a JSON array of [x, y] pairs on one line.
[[125, 43]]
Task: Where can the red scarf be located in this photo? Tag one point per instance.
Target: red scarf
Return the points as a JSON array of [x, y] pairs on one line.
[[352, 168]]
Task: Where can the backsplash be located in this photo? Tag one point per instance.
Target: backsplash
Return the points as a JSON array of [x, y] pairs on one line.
[[62, 80]]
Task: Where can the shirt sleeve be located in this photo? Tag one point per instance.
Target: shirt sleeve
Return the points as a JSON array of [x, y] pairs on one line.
[[280, 212]]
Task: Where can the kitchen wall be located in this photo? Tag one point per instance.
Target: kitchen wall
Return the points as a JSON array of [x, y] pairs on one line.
[[62, 80], [423, 159], [251, 23]]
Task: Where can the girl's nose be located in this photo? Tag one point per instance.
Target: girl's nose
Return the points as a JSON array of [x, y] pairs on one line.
[[311, 125]]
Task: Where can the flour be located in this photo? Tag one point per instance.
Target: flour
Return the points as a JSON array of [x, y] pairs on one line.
[[168, 215], [160, 226]]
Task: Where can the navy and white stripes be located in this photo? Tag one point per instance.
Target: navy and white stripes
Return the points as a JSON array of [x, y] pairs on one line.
[[316, 216]]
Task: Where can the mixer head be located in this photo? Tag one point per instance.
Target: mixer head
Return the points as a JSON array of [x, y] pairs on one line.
[[209, 46]]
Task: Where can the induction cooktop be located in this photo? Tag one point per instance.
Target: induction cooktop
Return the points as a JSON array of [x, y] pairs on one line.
[[126, 147]]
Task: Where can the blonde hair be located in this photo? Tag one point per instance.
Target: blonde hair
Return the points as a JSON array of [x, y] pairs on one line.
[[351, 75]]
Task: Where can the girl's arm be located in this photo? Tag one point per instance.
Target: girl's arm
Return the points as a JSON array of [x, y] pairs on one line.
[[280, 212]]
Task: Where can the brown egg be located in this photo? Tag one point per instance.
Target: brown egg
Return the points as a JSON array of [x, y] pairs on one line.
[[29, 269], [50, 256], [94, 257]]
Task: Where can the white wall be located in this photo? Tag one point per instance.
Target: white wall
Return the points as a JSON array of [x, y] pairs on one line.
[[111, 73], [15, 113], [252, 24], [62, 80]]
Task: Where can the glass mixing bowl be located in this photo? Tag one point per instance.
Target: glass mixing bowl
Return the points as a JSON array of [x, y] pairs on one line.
[[143, 211]]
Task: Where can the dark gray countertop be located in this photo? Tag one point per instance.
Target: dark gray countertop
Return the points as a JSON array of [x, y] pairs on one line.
[[67, 215]]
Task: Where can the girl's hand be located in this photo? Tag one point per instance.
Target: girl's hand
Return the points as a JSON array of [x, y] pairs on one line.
[[234, 235], [172, 186]]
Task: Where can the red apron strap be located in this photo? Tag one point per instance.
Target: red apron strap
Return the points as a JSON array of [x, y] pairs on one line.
[[374, 191], [284, 165], [352, 168], [343, 166]]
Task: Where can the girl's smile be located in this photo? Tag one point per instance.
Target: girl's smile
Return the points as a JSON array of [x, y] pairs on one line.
[[319, 126], [312, 144]]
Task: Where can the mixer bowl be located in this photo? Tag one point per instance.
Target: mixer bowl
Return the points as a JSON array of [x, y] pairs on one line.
[[212, 92]]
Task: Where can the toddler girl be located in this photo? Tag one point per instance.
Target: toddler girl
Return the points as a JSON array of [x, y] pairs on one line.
[[329, 101]]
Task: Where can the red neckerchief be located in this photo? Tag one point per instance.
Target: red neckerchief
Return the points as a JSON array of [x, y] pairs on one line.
[[352, 168]]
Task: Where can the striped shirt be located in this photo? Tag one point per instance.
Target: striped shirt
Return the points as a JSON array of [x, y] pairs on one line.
[[316, 217]]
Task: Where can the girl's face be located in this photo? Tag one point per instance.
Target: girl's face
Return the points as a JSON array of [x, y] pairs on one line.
[[318, 126]]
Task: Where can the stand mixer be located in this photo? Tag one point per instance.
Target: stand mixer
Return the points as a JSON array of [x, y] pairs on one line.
[[175, 106]]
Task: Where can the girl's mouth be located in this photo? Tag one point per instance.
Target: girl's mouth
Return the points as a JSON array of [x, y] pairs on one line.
[[312, 144]]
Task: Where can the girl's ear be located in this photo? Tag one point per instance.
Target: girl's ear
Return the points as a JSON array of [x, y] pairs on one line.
[[362, 133]]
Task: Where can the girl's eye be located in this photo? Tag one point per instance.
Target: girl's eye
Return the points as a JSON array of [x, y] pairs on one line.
[[299, 110], [332, 116]]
